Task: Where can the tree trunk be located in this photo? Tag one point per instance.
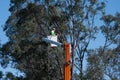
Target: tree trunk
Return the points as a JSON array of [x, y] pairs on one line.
[[81, 67], [72, 65]]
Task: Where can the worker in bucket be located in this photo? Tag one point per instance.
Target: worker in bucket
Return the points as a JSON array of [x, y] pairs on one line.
[[53, 32]]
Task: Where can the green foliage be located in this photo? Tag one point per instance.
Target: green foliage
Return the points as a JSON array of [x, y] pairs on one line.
[[103, 63], [111, 28], [10, 76], [94, 68], [25, 29], [105, 60], [110, 57], [31, 20]]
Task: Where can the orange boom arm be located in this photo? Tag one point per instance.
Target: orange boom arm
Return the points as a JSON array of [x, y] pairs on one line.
[[67, 61]]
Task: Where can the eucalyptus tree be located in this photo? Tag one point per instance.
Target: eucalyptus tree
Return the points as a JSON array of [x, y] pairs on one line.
[[111, 31], [25, 27], [105, 61], [30, 20], [79, 28]]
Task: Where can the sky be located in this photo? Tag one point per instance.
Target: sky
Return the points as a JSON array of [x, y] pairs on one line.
[[4, 13], [112, 7]]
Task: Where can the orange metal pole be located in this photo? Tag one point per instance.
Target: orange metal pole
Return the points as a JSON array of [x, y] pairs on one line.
[[67, 61]]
